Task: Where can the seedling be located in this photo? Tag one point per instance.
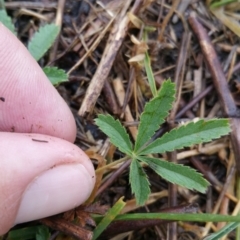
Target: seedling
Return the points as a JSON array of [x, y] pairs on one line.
[[152, 117], [140, 153]]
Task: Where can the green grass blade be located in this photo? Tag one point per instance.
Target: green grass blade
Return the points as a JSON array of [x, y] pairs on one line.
[[177, 174], [221, 3], [154, 113], [115, 131], [222, 232], [237, 183], [7, 21], [150, 76], [55, 75], [189, 217], [25, 233], [187, 135], [109, 217], [147, 65], [43, 40], [43, 233], [139, 182]]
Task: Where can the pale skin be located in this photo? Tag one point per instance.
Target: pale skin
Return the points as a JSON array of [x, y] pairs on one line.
[[42, 171]]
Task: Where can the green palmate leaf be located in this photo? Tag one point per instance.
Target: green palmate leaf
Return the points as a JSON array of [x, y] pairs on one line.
[[110, 216], [139, 182], [222, 232], [154, 113], [115, 131], [7, 21], [187, 135], [43, 40], [176, 173], [55, 75]]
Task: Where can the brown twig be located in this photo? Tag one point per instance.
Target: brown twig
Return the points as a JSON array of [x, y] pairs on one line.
[[120, 93], [32, 5], [67, 227], [58, 21], [178, 78], [220, 84], [214, 67], [180, 70], [92, 48], [220, 198], [167, 18], [110, 98], [115, 40], [206, 172], [113, 177], [194, 101]]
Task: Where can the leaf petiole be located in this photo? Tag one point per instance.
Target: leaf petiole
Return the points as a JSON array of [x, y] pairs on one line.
[[113, 164]]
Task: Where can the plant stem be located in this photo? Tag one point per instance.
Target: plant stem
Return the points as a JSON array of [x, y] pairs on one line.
[[112, 164]]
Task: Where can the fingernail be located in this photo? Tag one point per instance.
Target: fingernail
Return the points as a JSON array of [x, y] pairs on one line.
[[57, 190]]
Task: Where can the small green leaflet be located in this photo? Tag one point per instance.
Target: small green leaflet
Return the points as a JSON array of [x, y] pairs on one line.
[[7, 21], [55, 75], [154, 113], [115, 131], [43, 40], [139, 182], [109, 217], [177, 174], [187, 135]]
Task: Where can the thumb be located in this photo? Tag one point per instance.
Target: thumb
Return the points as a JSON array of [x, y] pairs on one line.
[[47, 177], [29, 102]]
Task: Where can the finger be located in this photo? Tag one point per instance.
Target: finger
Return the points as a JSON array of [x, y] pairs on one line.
[[40, 176], [28, 101]]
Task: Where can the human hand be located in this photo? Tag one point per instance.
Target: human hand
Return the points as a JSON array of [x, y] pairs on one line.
[[42, 172]]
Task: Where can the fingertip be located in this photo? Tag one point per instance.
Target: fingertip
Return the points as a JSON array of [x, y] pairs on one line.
[[57, 190], [41, 172], [31, 103]]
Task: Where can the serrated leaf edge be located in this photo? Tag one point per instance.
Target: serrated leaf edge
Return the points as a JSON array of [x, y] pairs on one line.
[[129, 143], [160, 121], [146, 178], [35, 40], [194, 171], [146, 151]]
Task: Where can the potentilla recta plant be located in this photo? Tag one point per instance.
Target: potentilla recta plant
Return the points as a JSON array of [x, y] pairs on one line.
[[140, 152]]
